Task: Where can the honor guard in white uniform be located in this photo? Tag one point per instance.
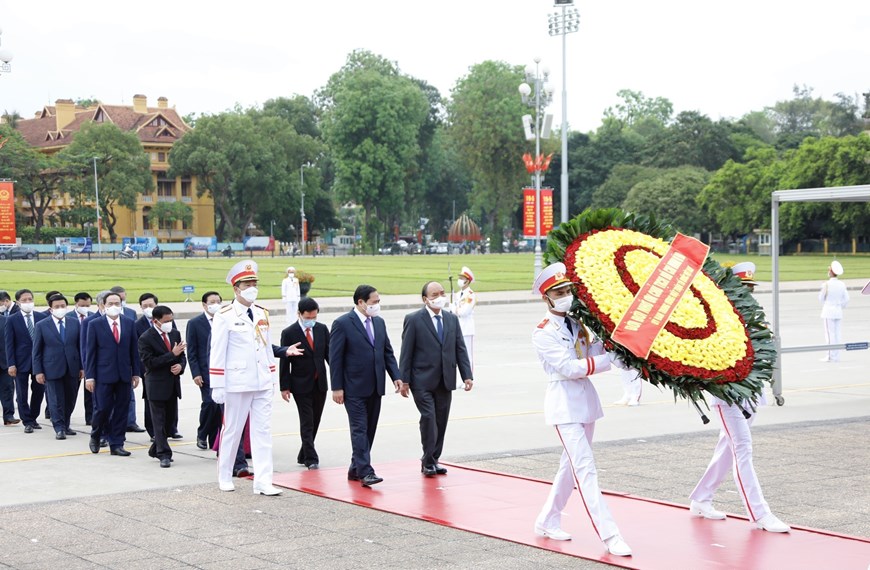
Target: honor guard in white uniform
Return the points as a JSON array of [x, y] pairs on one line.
[[290, 294], [569, 356], [243, 376], [733, 452], [463, 307], [834, 297]]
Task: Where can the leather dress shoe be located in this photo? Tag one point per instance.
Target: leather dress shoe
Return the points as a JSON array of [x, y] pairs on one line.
[[201, 443], [165, 462], [705, 510], [104, 442], [770, 523], [60, 435], [617, 547], [28, 429], [176, 435], [268, 490], [428, 470], [70, 431], [94, 445], [12, 422], [440, 470], [226, 486], [120, 451], [242, 472], [353, 477], [135, 428], [370, 479], [313, 466], [552, 533], [37, 426]]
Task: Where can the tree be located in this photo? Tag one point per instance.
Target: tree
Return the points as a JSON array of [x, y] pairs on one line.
[[806, 116], [637, 108], [621, 180], [168, 213], [123, 168], [693, 140], [298, 110], [672, 197]]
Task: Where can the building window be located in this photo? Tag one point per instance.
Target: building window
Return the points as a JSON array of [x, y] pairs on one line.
[[100, 117], [146, 223], [185, 187], [161, 157], [165, 190]]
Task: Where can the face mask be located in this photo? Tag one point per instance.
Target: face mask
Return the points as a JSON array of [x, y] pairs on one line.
[[438, 302], [3, 309], [113, 311], [27, 307], [82, 310], [59, 313], [373, 310], [462, 282], [148, 311], [213, 308], [249, 294], [563, 304], [291, 275], [166, 327], [308, 323]]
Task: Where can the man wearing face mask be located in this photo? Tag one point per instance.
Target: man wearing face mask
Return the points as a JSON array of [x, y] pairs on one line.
[[304, 376], [112, 371], [290, 293], [243, 377], [463, 306], [432, 351], [57, 363], [126, 311], [147, 302], [198, 334], [360, 357], [7, 382], [163, 361], [569, 356], [100, 299], [20, 330]]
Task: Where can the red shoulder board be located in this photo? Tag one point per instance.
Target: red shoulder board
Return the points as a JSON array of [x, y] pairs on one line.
[[543, 323]]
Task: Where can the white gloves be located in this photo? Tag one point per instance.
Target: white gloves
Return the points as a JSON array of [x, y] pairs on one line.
[[218, 395], [616, 360]]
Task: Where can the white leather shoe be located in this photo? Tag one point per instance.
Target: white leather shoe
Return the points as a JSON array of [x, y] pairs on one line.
[[705, 510], [226, 486], [269, 491], [770, 523], [621, 402], [552, 533], [633, 403], [617, 547]]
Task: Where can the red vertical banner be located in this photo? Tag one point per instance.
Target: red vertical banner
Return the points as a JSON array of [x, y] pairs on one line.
[[546, 214], [546, 211], [305, 230], [7, 213]]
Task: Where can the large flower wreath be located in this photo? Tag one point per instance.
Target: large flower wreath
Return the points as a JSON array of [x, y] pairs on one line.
[[716, 339]]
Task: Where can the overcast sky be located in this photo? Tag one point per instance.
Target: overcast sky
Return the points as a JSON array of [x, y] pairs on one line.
[[723, 59]]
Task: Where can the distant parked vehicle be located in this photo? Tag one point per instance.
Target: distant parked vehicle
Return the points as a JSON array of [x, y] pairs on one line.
[[19, 253], [391, 248]]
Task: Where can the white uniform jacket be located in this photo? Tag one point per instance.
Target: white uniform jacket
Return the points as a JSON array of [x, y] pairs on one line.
[[241, 357], [568, 362], [833, 297], [290, 289], [465, 302]]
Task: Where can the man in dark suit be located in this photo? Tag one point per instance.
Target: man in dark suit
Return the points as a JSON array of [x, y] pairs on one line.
[[198, 335], [100, 299], [7, 382], [147, 302], [20, 330], [304, 376], [162, 354], [432, 350], [132, 425], [360, 357], [57, 363], [112, 370]]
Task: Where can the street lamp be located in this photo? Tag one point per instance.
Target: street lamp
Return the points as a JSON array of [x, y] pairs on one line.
[[302, 232], [543, 94], [97, 195], [5, 58], [562, 24]]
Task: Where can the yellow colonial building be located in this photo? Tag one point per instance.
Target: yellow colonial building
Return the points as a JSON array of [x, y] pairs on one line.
[[158, 128]]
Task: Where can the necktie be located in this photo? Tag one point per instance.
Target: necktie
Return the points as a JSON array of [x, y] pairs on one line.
[[62, 330], [29, 321], [251, 314], [166, 341], [568, 324], [369, 330], [115, 332], [439, 327], [81, 319], [309, 337]]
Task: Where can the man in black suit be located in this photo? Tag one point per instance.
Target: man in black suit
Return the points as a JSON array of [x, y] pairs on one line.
[[20, 330], [80, 312], [7, 382], [304, 376], [132, 425], [198, 335], [432, 350], [57, 363], [162, 354], [360, 357], [147, 302]]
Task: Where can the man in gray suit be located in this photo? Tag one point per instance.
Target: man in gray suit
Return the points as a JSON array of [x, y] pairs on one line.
[[432, 350]]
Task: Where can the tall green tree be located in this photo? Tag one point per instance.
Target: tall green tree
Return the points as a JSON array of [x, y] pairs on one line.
[[621, 180], [693, 140], [168, 213], [672, 197], [123, 168], [636, 108]]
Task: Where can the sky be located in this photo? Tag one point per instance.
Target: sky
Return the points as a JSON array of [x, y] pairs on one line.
[[724, 59]]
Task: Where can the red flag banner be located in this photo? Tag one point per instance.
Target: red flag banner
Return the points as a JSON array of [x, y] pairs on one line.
[[658, 297], [529, 212], [7, 213]]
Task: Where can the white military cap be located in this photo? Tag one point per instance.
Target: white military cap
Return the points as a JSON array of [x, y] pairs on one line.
[[745, 270], [245, 270], [836, 268], [466, 272], [551, 277]]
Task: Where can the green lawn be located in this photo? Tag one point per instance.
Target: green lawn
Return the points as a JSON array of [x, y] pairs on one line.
[[335, 276]]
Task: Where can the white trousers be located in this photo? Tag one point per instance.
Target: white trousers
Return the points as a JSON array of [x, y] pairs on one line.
[[833, 328], [632, 385], [577, 467], [237, 407], [292, 308], [733, 450]]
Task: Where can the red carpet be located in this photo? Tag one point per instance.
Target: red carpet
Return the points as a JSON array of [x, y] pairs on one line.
[[662, 535]]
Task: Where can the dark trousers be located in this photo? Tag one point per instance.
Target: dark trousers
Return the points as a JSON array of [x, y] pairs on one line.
[[7, 394], [163, 414], [209, 416], [89, 407], [28, 410], [434, 407], [111, 405], [362, 417], [60, 397], [310, 408], [149, 421]]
